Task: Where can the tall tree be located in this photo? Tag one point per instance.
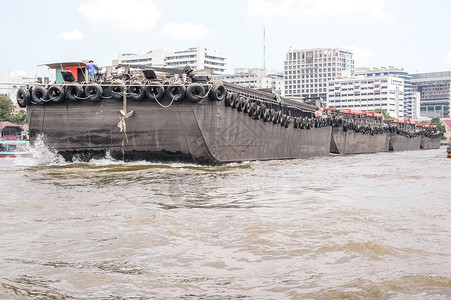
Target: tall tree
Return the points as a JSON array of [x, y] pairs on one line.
[[6, 107], [438, 123], [19, 118], [384, 112]]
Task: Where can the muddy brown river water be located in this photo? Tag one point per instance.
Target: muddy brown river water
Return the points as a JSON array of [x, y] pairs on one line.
[[338, 227]]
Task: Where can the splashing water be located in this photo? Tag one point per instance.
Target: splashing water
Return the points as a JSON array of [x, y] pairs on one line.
[[43, 155]]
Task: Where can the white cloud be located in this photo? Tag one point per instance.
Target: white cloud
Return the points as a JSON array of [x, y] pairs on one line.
[[127, 15], [448, 60], [73, 35], [17, 73], [351, 10], [360, 54], [187, 31]]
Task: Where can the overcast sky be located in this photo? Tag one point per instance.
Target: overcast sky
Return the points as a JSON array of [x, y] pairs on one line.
[[410, 34]]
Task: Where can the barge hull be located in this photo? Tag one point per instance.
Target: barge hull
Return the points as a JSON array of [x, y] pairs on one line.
[[402, 143], [427, 143], [207, 132], [351, 142]]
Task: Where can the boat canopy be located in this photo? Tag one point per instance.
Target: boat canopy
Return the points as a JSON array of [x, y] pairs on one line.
[[61, 65], [78, 69]]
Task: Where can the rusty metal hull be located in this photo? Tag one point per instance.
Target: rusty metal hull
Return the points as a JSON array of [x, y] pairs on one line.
[[352, 142], [430, 143], [204, 132]]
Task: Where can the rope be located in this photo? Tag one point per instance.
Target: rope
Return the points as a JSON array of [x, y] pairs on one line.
[[207, 93], [164, 106], [81, 98], [123, 114], [34, 84], [278, 98]]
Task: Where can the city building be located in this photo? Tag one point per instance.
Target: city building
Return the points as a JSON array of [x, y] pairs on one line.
[[368, 93], [257, 79], [197, 58], [435, 93], [411, 96], [307, 71]]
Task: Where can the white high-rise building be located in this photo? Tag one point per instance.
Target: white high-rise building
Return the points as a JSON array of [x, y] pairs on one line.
[[307, 71], [368, 94], [197, 58], [411, 96], [257, 79]]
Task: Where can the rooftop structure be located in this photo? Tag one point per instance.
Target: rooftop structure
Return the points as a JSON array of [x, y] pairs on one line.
[[12, 132], [256, 78], [435, 93], [447, 124], [197, 58]]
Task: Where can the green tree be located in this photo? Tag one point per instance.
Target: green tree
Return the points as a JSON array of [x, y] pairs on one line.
[[384, 112], [438, 123], [6, 107], [6, 111], [19, 118]]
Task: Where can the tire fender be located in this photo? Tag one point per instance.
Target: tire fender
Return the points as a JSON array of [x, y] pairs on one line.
[[257, 112], [195, 92], [117, 90], [136, 91], [23, 97], [176, 91], [39, 95], [93, 92], [218, 92]]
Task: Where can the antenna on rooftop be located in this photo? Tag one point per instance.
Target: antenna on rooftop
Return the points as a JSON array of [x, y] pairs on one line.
[[264, 49]]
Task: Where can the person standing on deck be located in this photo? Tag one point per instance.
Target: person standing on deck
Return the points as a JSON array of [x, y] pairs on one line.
[[92, 67]]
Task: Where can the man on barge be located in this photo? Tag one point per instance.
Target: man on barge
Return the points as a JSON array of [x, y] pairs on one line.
[[92, 68]]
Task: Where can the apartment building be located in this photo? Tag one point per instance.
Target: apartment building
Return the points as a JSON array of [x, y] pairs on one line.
[[308, 71], [367, 94], [197, 58], [411, 96]]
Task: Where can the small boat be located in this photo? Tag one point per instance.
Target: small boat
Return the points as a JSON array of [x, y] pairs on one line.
[[14, 149]]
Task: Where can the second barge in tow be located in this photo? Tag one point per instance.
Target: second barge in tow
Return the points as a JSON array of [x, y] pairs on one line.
[[357, 131]]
